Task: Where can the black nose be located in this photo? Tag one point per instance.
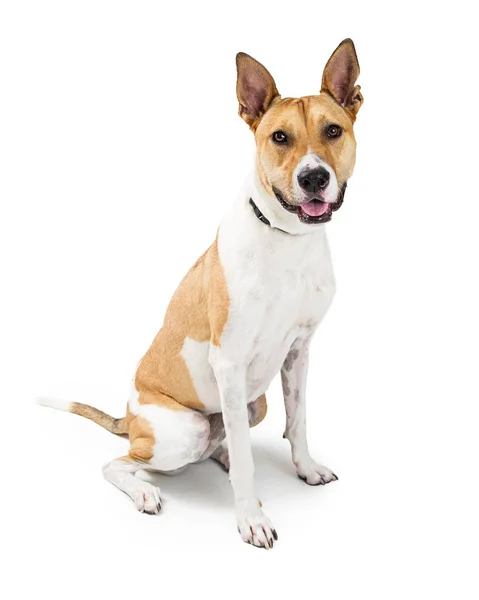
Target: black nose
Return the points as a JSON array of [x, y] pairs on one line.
[[314, 180]]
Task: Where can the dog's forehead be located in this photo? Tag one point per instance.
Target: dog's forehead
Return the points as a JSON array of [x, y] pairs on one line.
[[323, 107], [305, 112]]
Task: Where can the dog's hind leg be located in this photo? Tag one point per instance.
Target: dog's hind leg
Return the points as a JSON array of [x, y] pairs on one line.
[[121, 473], [162, 439], [222, 456], [256, 413]]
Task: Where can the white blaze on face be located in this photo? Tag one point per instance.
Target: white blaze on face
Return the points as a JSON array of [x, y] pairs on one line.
[[309, 162]]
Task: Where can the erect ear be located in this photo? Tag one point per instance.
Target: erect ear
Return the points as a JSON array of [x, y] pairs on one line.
[[255, 89], [340, 75]]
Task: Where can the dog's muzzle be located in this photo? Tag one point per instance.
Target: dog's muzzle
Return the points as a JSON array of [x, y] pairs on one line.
[[314, 211]]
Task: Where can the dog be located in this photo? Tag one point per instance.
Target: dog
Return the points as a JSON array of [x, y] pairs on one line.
[[249, 306]]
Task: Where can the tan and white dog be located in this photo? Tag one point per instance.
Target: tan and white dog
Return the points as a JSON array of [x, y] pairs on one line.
[[249, 307]]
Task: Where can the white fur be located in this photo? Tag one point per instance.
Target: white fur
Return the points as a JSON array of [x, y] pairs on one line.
[[57, 403], [310, 161], [280, 286], [181, 437], [273, 211], [195, 354], [293, 375], [277, 284], [145, 496]]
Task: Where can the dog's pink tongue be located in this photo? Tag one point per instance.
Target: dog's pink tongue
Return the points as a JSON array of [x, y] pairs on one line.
[[315, 208]]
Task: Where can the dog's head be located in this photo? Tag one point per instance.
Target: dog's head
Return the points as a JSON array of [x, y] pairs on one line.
[[305, 146]]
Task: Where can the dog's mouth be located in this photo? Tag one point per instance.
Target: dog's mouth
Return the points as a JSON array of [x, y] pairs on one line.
[[315, 208], [314, 211]]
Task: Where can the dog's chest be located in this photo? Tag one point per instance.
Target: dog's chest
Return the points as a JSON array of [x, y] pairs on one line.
[[288, 306], [280, 288]]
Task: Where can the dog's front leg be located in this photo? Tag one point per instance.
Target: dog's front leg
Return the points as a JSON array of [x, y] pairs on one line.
[[253, 526], [293, 376]]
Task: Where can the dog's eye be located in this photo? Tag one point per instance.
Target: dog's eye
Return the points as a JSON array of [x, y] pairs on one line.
[[279, 137], [334, 131]]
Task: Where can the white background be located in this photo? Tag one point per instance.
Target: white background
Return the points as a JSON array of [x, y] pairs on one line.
[[120, 150]]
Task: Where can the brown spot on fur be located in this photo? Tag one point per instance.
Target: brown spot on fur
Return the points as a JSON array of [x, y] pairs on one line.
[[285, 383], [198, 310], [290, 358], [257, 411], [296, 396]]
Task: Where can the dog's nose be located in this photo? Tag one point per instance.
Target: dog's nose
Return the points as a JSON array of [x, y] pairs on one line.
[[314, 180]]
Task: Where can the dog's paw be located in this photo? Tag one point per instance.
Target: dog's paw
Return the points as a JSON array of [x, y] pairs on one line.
[[255, 528], [147, 498], [314, 474]]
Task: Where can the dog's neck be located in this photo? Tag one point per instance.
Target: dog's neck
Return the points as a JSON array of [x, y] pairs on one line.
[[272, 213]]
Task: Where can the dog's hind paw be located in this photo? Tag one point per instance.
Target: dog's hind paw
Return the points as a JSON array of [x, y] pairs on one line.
[[147, 499]]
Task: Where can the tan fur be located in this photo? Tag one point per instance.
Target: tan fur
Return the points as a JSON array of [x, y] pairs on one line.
[[198, 310], [200, 306], [117, 426], [304, 120], [160, 400], [142, 440], [218, 296], [259, 411]]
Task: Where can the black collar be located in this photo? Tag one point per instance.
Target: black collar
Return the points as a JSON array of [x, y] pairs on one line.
[[262, 218], [258, 213]]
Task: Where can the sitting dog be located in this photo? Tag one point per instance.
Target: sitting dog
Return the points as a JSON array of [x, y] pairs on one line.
[[250, 305]]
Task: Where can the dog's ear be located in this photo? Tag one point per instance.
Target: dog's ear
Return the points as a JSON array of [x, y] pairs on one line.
[[255, 89], [340, 75]]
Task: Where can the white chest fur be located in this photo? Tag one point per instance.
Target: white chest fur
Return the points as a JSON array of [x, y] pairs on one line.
[[280, 287]]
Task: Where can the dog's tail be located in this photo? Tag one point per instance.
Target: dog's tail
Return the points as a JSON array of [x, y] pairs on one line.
[[116, 426]]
